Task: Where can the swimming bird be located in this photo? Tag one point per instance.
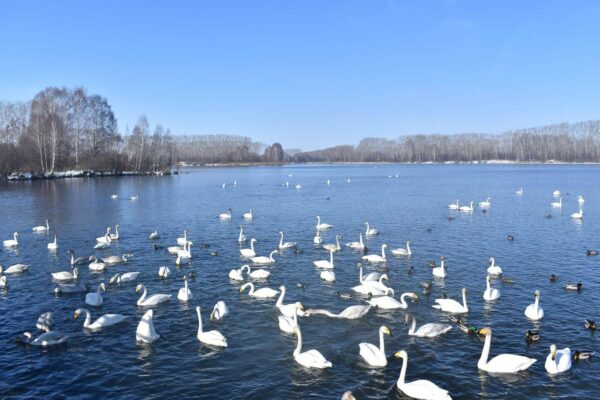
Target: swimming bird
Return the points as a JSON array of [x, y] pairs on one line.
[[519, 192], [310, 358], [373, 355], [375, 258], [257, 273], [66, 275], [582, 355], [115, 236], [553, 278], [237, 274], [534, 311], [103, 322], [153, 235], [452, 306], [145, 332], [52, 246], [185, 294], [241, 236], [105, 244], [591, 252], [47, 339], [429, 330], [41, 228], [134, 198], [226, 216], [114, 196], [490, 293], [125, 277], [164, 272], [262, 260], [493, 269], [371, 276], [556, 193], [96, 266], [510, 237], [288, 309], [70, 288], [150, 301], [45, 321], [357, 245], [14, 242], [318, 239], [590, 324], [322, 226], [262, 293], [352, 312], [285, 245], [387, 302], [181, 241], [486, 203], [220, 311], [212, 338], [574, 286], [249, 253], [557, 204], [558, 361], [14, 269], [454, 206], [439, 272], [533, 336], [112, 260], [466, 208], [503, 363], [324, 264], [420, 389], [334, 247], [370, 231], [249, 215], [577, 215], [95, 299], [288, 324], [105, 238], [401, 251], [78, 260]]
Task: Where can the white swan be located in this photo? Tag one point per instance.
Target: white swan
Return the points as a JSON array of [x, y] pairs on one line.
[[288, 309], [212, 338], [126, 277], [318, 239], [105, 244], [494, 269], [466, 208], [14, 242], [185, 294], [115, 236], [262, 293], [580, 199], [288, 324], [285, 245], [111, 260], [257, 273], [352, 312], [439, 272], [153, 235], [66, 275], [14, 269], [375, 258], [534, 311], [164, 272], [237, 274], [357, 245], [52, 246], [490, 293], [325, 264], [134, 198], [41, 228], [322, 226], [577, 215], [333, 247], [249, 215], [114, 196], [186, 252], [556, 193], [389, 303], [378, 285], [558, 360], [401, 251], [241, 237], [452, 306], [486, 203], [519, 192], [145, 330], [103, 322], [262, 260], [429, 330], [220, 311], [3, 282], [373, 355], [421, 389], [557, 204], [105, 238], [96, 266], [310, 358], [327, 276], [503, 363], [249, 253], [371, 276], [226, 216], [150, 301], [181, 241], [95, 299], [47, 339], [370, 231], [454, 206]]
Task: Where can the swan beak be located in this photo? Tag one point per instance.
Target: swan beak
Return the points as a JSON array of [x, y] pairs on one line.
[[76, 315], [212, 314], [554, 355], [240, 290], [398, 354]]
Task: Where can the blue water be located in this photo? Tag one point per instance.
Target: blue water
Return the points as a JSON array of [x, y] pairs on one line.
[[258, 362]]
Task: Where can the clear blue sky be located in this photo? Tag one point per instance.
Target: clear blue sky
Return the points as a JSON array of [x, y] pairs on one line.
[[311, 74]]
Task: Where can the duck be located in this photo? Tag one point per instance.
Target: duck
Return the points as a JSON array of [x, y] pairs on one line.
[[154, 235], [52, 246], [357, 245], [591, 252], [577, 215], [375, 258], [370, 231], [78, 260], [288, 324], [310, 358], [503, 363], [41, 228], [103, 322], [262, 293], [220, 311], [466, 208], [257, 273], [105, 238], [96, 266], [325, 264], [388, 302], [285, 245], [47, 339], [318, 239], [454, 206], [66, 275], [334, 247], [401, 251], [212, 338], [421, 389], [249, 253], [590, 324], [145, 332], [452, 306], [226, 216], [574, 287], [553, 278], [125, 277], [14, 242], [352, 312], [262, 260], [185, 294], [429, 330], [14, 269], [558, 361], [249, 215], [95, 298], [486, 203], [439, 272], [288, 309], [327, 276], [490, 293], [533, 311], [533, 336], [582, 355], [493, 269], [556, 204], [322, 226], [164, 272], [373, 355], [150, 301]]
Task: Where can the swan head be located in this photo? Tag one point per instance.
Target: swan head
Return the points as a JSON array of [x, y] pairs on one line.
[[384, 276], [485, 331], [536, 293], [553, 351], [139, 288], [102, 287], [464, 291], [249, 284], [414, 297], [77, 313], [386, 330], [299, 306], [442, 258], [282, 288], [348, 396], [389, 291], [253, 240], [401, 354], [488, 279], [114, 279]]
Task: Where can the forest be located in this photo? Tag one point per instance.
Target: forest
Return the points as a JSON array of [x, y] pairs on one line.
[[64, 129]]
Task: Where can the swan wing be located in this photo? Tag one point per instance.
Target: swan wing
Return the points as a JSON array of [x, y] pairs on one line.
[[265, 292], [432, 330], [385, 302], [313, 359], [156, 299], [509, 363], [371, 354], [354, 312], [423, 389]]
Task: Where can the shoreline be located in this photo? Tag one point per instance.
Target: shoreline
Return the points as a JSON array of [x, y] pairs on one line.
[[30, 176]]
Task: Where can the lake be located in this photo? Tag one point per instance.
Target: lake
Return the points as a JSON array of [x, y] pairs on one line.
[[258, 363]]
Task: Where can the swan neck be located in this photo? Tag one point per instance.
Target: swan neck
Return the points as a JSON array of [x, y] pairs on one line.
[[144, 292], [281, 239], [361, 278], [381, 342], [537, 302], [413, 326], [403, 370], [280, 299], [486, 351], [199, 321], [383, 250], [298, 349], [464, 295], [408, 248], [331, 258], [403, 302], [88, 319]]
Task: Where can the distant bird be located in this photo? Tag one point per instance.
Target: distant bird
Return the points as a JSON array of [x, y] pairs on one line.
[[590, 324], [427, 287], [591, 252], [553, 278], [574, 287], [428, 230], [549, 216], [451, 219], [510, 237], [344, 296], [301, 285], [533, 336], [157, 247], [582, 355]]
